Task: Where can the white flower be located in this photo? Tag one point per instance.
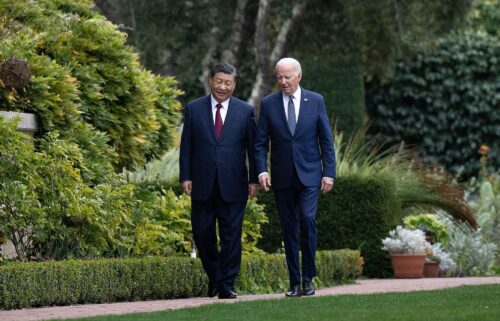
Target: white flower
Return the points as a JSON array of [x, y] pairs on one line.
[[404, 241], [446, 263]]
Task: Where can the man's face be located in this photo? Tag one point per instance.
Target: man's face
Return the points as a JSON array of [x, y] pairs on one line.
[[288, 78], [222, 86]]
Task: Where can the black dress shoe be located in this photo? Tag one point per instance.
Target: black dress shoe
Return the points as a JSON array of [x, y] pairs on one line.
[[227, 295], [308, 288], [212, 290], [293, 291]]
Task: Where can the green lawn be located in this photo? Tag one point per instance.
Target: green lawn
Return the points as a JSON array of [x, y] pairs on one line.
[[468, 303]]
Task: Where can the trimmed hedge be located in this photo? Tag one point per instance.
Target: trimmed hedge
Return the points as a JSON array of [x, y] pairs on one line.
[[356, 214], [36, 284]]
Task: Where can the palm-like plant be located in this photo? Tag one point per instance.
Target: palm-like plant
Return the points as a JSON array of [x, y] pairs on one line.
[[416, 185]]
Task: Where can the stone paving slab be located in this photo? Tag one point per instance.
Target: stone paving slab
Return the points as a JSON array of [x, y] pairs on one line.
[[361, 287]]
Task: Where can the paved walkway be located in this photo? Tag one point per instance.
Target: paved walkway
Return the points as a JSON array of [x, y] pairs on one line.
[[361, 287]]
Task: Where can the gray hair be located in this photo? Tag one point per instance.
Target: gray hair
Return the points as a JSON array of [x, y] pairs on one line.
[[293, 61]]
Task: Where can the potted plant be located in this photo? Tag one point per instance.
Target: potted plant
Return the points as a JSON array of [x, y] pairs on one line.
[[438, 262], [431, 266], [407, 249]]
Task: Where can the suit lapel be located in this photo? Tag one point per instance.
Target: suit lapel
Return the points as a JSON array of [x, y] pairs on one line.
[[231, 112], [281, 111], [209, 118]]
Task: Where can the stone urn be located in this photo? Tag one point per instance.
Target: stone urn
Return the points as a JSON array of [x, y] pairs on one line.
[[28, 123]]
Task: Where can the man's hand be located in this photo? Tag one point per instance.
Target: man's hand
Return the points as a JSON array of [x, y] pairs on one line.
[[326, 184], [187, 186], [252, 190], [265, 181]]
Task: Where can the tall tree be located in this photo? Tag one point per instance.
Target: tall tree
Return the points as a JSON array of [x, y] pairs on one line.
[[184, 38]]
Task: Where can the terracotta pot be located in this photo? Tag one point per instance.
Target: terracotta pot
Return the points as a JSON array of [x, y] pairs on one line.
[[431, 269], [406, 266]]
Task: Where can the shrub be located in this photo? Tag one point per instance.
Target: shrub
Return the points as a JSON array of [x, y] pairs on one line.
[[416, 185], [445, 102], [87, 83], [162, 223], [487, 208], [47, 210], [472, 253], [25, 285]]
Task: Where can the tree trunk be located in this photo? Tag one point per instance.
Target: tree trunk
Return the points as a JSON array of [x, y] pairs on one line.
[[242, 28], [207, 59], [265, 59]]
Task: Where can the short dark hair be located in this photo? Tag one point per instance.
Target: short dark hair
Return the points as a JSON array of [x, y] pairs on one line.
[[224, 68]]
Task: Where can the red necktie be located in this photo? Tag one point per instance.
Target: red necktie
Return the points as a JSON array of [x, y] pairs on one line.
[[218, 121]]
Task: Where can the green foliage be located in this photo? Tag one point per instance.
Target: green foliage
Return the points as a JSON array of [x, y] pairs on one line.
[[162, 29], [373, 190], [87, 83], [340, 80], [45, 207], [445, 102], [485, 16], [416, 185], [164, 171], [487, 210], [25, 285], [428, 222], [472, 253], [162, 223], [254, 218]]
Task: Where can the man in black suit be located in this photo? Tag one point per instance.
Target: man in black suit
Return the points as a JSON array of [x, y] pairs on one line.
[[217, 139], [302, 164]]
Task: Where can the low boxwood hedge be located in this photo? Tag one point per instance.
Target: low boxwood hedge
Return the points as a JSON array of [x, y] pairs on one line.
[[68, 282]]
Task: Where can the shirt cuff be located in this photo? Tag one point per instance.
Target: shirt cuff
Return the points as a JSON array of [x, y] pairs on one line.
[[262, 174]]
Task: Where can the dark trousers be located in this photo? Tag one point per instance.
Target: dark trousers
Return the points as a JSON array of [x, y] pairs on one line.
[[297, 208], [221, 267]]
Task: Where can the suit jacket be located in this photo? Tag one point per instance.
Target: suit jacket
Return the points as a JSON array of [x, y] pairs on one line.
[[202, 156], [310, 150]]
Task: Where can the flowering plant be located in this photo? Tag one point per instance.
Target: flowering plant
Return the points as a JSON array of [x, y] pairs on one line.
[[437, 254], [405, 241]]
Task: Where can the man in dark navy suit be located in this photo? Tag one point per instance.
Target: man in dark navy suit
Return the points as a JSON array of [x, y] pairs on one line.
[[302, 164], [217, 138]]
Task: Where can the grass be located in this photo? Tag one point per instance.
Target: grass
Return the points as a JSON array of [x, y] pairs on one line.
[[478, 303]]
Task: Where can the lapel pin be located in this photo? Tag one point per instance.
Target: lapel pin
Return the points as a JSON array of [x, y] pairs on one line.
[[305, 99]]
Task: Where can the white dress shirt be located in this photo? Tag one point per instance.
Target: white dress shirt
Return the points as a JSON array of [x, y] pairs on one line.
[[223, 110]]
